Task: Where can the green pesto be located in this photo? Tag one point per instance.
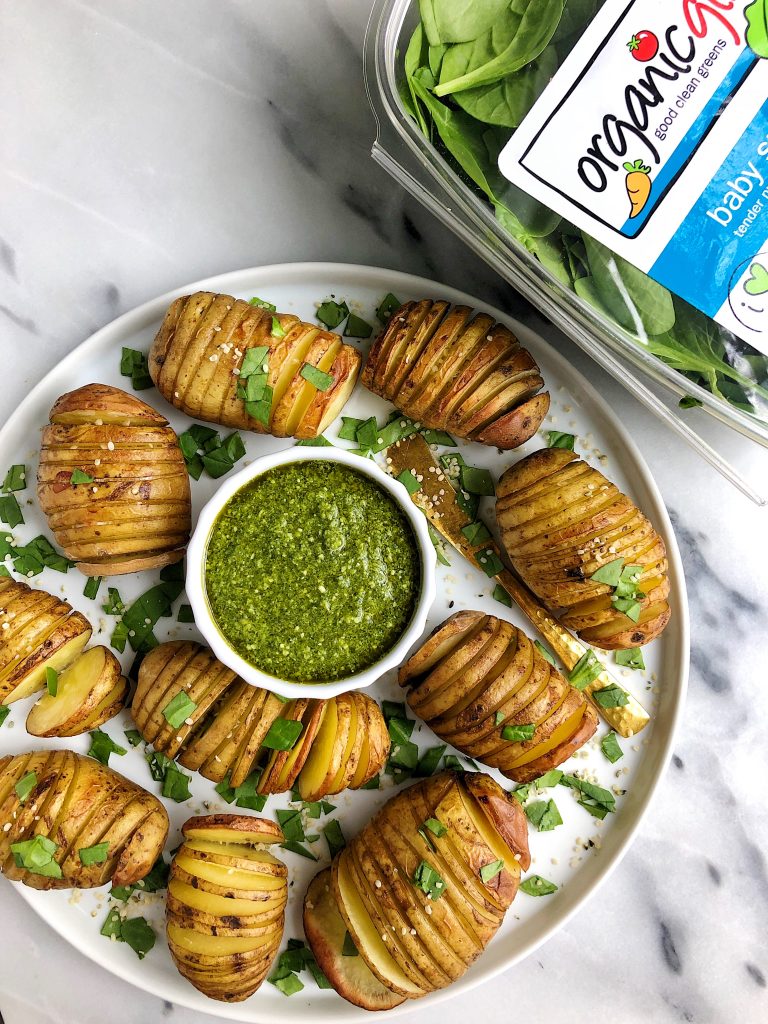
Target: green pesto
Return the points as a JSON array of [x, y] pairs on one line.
[[312, 572]]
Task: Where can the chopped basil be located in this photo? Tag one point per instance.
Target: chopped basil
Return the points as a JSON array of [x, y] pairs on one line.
[[318, 378], [91, 589], [94, 854], [133, 736], [157, 764], [610, 573], [476, 481], [611, 697], [558, 439], [439, 545], [297, 848], [185, 613], [628, 606], [334, 837], [4, 712], [546, 655], [203, 449], [595, 799], [585, 671], [134, 931], [518, 733], [432, 436], [490, 562], [298, 958], [502, 596], [498, 718], [610, 747], [102, 745], [348, 947], [387, 307], [428, 762], [282, 734], [489, 871], [277, 330], [10, 512], [261, 411], [37, 856], [349, 428], [315, 442], [286, 981], [394, 709], [372, 783], [15, 479], [253, 361], [331, 313], [51, 681], [543, 815], [476, 533], [408, 479], [437, 828], [30, 559], [535, 885], [134, 364], [176, 784], [367, 433], [146, 611], [632, 658], [522, 793], [400, 729], [78, 476], [549, 779], [114, 605], [356, 327], [25, 785], [262, 304], [428, 881], [178, 710]]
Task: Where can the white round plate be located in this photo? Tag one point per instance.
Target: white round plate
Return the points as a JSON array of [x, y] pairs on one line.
[[576, 868]]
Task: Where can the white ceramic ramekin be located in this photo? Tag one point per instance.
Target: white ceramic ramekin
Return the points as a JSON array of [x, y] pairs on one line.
[[195, 582]]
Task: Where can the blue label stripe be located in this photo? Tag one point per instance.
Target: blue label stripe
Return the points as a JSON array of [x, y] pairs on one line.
[[682, 154]]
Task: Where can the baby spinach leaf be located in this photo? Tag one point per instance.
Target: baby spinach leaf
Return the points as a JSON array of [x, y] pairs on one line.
[[508, 100], [632, 299], [456, 21]]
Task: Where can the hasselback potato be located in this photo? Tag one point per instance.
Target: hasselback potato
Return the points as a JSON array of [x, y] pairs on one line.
[[342, 744], [226, 904], [112, 483], [37, 631], [562, 521], [451, 371], [198, 356], [58, 805], [421, 889], [477, 676]]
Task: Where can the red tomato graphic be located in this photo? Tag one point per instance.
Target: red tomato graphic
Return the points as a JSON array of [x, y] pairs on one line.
[[643, 46]]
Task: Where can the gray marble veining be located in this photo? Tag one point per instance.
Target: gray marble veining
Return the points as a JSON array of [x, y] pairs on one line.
[[147, 144]]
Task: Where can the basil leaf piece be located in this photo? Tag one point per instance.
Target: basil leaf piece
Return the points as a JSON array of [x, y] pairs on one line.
[[356, 327], [111, 926], [628, 606], [78, 476], [501, 595], [225, 791], [585, 671], [387, 307], [185, 613], [394, 709], [331, 313], [432, 436], [400, 729], [372, 783], [51, 681], [408, 479], [91, 589], [37, 856], [632, 658], [334, 837], [349, 427], [498, 718], [476, 481], [114, 605], [134, 364], [4, 712], [428, 881], [549, 779], [15, 479], [546, 654], [247, 795], [476, 533], [428, 762], [136, 933], [348, 947], [610, 747], [291, 823], [94, 854], [535, 885], [176, 784], [178, 710], [543, 815], [592, 794], [610, 573], [261, 411], [133, 736], [254, 360], [437, 828], [489, 871], [521, 793], [102, 746], [439, 545], [25, 785], [11, 515], [297, 848], [490, 562], [611, 697], [315, 442], [286, 982], [518, 733], [277, 330], [558, 439], [318, 378], [282, 734]]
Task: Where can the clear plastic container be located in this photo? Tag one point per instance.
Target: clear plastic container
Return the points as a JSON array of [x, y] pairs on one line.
[[412, 159]]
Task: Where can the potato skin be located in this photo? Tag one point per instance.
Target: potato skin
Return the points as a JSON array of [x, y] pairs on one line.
[[430, 942], [135, 513], [198, 352], [473, 653], [560, 521], [223, 736], [451, 371], [77, 803], [203, 918]]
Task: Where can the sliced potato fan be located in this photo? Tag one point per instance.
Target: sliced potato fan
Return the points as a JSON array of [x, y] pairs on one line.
[[37, 631], [87, 694], [201, 350], [421, 890], [451, 371], [482, 686], [112, 483], [232, 729], [561, 522], [226, 903], [58, 805]]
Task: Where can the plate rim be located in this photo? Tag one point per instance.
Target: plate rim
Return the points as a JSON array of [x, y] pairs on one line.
[[140, 317]]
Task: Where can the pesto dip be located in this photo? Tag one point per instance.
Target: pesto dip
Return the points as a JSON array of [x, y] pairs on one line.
[[312, 572]]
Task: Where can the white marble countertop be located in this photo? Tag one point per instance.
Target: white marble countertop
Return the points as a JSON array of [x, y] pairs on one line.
[[147, 144]]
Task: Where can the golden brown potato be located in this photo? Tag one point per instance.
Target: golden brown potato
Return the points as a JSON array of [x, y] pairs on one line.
[[477, 675], [342, 744], [561, 521], [66, 804], [89, 692], [37, 631], [421, 889], [226, 904], [197, 356], [452, 372], [112, 483]]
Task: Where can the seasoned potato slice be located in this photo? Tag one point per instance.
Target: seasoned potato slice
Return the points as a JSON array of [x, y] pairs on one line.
[[89, 692], [451, 371]]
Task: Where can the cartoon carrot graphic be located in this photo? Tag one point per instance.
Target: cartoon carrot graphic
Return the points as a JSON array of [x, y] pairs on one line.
[[638, 186]]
